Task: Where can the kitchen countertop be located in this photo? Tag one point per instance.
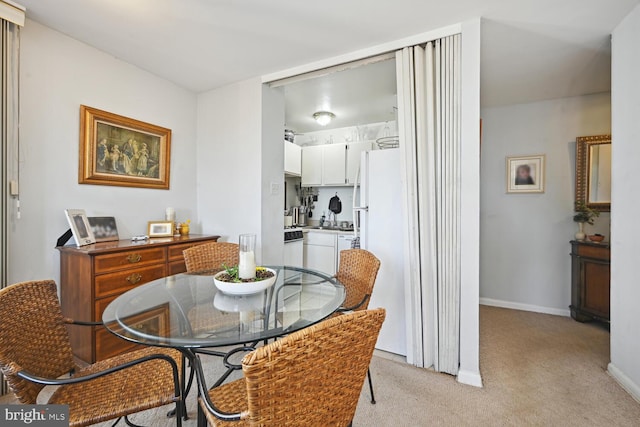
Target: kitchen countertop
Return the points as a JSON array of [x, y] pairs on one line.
[[326, 231]]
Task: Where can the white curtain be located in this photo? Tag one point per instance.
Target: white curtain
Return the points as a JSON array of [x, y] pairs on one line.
[[9, 109], [429, 101]]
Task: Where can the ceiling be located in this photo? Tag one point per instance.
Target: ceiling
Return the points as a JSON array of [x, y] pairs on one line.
[[531, 49], [356, 96]]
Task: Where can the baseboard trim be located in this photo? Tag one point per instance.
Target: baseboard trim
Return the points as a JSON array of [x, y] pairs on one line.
[[525, 307], [625, 382], [470, 378]]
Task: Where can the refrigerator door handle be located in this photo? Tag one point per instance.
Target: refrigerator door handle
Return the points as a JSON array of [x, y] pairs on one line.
[[356, 218]]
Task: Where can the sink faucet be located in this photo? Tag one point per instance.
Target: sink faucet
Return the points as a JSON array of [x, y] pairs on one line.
[[335, 220]]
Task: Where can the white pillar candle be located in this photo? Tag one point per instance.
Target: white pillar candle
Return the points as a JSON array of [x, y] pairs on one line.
[[170, 215], [247, 265]]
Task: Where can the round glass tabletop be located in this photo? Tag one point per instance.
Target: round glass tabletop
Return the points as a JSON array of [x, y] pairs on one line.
[[187, 310]]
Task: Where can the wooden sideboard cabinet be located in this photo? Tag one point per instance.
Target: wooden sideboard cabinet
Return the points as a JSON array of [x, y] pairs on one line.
[[92, 276], [590, 280]]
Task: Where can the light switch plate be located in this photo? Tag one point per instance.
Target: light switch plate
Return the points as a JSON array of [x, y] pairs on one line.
[[275, 188], [13, 188]]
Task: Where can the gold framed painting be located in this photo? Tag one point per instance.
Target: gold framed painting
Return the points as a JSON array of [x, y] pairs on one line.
[[525, 174], [120, 151]]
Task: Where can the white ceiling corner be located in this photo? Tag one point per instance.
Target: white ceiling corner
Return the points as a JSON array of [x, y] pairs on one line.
[[531, 49]]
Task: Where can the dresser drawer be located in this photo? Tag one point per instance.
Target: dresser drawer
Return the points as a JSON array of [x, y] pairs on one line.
[[594, 252], [129, 259], [109, 345], [117, 283], [175, 251], [176, 267]]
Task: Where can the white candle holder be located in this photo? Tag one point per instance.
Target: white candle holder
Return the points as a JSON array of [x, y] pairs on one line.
[[247, 257]]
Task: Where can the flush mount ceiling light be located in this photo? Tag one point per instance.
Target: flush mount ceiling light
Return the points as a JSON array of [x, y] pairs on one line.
[[323, 117]]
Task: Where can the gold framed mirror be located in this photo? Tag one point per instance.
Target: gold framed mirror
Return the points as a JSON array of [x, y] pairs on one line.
[[593, 172]]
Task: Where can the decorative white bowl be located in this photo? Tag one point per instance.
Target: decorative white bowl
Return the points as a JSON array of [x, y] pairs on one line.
[[244, 288], [238, 303]]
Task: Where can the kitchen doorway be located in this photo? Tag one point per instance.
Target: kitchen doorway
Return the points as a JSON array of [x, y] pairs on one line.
[[344, 122]]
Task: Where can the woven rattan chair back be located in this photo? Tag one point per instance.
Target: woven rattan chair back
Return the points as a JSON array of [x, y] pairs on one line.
[[357, 271], [211, 256], [33, 336], [314, 376]]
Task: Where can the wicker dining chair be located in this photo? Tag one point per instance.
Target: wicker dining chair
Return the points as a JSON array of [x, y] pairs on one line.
[[211, 256], [35, 351], [357, 271], [312, 377]]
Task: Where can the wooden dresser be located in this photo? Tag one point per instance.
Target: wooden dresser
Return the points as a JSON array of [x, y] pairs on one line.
[[92, 276], [590, 280]]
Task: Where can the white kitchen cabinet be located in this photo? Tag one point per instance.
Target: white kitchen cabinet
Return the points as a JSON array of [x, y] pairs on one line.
[[354, 153], [292, 159], [320, 252], [312, 166], [334, 164]]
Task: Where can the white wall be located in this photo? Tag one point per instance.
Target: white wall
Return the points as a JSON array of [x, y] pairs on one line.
[[324, 196], [240, 154], [625, 292], [272, 155], [469, 372], [524, 256], [229, 159], [57, 75]]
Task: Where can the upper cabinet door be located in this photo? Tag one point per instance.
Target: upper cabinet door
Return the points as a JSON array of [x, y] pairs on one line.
[[292, 159], [354, 153], [334, 164], [312, 166]]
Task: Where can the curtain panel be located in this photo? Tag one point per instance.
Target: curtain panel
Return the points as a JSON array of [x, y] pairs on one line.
[[430, 120], [9, 139]]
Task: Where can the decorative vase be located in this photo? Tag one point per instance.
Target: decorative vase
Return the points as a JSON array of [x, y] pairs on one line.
[[184, 229], [247, 256], [580, 234]]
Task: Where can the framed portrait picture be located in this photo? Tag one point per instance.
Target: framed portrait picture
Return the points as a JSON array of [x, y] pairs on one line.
[[525, 174], [117, 150], [104, 228], [80, 227], [160, 229]]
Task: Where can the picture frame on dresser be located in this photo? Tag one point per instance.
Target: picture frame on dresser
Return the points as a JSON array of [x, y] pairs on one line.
[[104, 228], [121, 151], [80, 227], [160, 229]]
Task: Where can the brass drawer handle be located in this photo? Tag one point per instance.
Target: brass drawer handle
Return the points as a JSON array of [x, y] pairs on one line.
[[134, 278], [133, 258]]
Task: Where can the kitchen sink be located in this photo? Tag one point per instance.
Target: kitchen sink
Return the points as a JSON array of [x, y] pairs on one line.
[[330, 228]]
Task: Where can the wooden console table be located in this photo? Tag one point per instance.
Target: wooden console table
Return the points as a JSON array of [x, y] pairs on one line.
[[590, 280], [92, 276]]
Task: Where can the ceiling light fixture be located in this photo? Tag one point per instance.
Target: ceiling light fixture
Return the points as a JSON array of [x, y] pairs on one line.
[[323, 117]]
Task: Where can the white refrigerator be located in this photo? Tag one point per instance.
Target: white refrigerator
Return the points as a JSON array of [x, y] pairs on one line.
[[381, 232]]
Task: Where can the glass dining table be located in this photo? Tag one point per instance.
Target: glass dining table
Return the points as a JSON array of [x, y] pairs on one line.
[[187, 312]]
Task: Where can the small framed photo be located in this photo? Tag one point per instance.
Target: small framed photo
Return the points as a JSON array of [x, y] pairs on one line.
[[80, 227], [160, 229], [104, 228], [525, 174]]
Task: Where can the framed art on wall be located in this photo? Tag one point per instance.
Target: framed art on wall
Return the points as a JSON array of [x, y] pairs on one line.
[[117, 150], [80, 227], [525, 174]]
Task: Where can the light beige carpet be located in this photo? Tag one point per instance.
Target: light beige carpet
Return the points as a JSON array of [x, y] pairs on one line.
[[537, 369]]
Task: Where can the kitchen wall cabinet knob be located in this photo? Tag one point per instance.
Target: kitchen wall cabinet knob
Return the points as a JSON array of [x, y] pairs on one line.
[[134, 278], [133, 258]]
